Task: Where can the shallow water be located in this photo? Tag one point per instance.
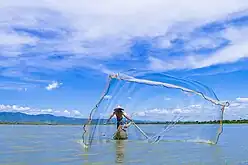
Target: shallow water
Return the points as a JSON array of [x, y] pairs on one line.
[[57, 145]]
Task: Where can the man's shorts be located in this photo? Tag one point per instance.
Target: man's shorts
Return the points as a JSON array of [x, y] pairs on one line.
[[120, 123]]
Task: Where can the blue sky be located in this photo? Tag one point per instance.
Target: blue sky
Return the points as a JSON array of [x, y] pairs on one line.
[[55, 57]]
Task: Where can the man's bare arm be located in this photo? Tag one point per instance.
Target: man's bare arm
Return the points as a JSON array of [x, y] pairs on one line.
[[126, 116], [111, 116]]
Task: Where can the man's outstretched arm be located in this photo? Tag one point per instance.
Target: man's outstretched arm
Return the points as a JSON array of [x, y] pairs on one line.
[[111, 116], [126, 116]]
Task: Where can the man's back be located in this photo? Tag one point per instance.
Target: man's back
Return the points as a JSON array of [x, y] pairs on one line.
[[119, 115]]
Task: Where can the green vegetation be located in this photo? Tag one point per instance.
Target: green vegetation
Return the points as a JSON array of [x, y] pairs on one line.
[[201, 122]]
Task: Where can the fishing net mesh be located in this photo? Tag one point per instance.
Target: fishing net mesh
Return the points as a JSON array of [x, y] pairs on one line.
[[163, 108]]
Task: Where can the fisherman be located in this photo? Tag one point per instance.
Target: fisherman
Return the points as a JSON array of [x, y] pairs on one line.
[[119, 113]]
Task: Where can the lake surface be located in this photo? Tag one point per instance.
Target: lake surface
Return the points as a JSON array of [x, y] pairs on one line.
[[60, 145]]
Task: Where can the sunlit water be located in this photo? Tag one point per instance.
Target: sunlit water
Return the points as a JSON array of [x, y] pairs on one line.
[[57, 145]]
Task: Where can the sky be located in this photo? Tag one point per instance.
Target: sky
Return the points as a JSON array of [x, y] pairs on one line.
[[55, 57]]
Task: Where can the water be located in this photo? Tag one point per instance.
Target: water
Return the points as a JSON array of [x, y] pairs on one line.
[[61, 145]]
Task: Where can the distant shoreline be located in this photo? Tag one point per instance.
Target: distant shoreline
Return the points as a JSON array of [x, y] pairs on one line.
[[18, 118], [30, 123], [143, 123]]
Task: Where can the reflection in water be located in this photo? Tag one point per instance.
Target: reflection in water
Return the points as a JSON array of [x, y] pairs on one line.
[[120, 149], [217, 155]]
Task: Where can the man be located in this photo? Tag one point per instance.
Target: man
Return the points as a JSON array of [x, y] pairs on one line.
[[119, 113]]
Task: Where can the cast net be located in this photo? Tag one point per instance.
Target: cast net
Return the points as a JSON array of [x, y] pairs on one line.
[[163, 108]]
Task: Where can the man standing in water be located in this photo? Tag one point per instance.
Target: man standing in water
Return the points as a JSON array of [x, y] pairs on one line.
[[119, 113]]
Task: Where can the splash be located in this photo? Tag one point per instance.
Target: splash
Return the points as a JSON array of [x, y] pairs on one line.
[[162, 108]]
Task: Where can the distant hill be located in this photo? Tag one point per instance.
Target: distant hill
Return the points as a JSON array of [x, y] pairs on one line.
[[18, 117]]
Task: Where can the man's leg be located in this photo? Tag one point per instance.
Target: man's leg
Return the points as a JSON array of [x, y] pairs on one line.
[[122, 126], [119, 125], [127, 125]]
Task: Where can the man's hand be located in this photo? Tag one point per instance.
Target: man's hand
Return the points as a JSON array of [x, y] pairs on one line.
[[127, 125]]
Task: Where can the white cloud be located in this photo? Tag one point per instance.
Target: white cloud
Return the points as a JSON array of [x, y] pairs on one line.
[[107, 97], [177, 110], [237, 109], [14, 107], [35, 111], [13, 39], [151, 112], [170, 64], [53, 85], [235, 51], [167, 98], [238, 104], [234, 105], [76, 112], [195, 106], [12, 44], [100, 30], [140, 114], [162, 112], [157, 64], [230, 54], [242, 99], [46, 110], [207, 42], [19, 108]]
